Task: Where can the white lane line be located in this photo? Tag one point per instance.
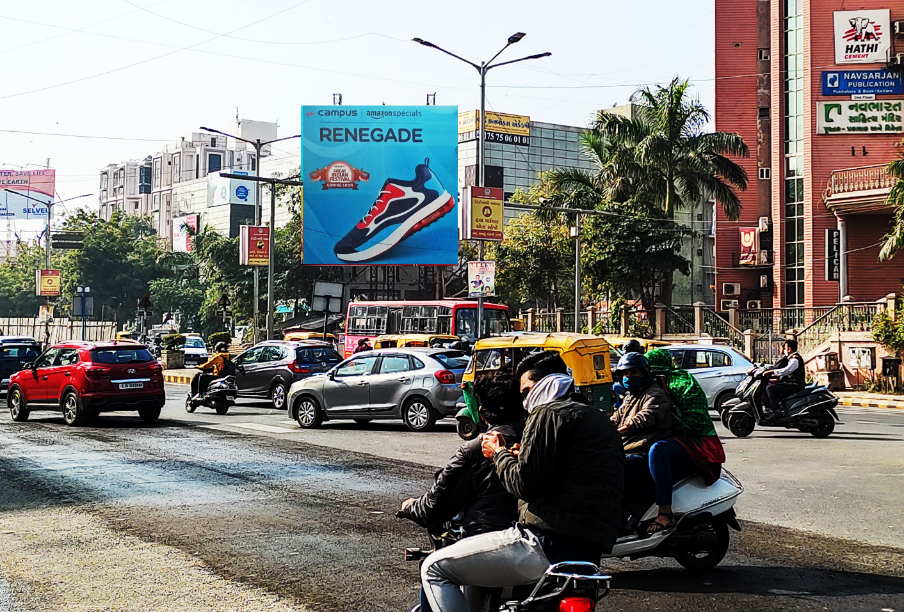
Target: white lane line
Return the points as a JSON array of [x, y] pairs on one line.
[[288, 422], [253, 426]]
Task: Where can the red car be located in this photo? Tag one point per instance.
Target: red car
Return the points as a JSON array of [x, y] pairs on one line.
[[83, 379]]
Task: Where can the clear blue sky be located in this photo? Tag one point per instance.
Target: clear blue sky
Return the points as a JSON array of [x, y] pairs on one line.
[[156, 69]]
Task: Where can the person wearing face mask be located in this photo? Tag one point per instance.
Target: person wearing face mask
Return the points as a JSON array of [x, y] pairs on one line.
[[644, 418], [568, 476]]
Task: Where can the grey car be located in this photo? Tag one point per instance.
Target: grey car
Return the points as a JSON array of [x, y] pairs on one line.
[[416, 385], [269, 368], [717, 368]]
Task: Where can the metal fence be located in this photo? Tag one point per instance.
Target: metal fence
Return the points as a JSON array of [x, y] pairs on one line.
[[60, 330]]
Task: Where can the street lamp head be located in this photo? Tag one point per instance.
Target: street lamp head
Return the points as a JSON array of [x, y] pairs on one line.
[[539, 55], [516, 37], [421, 41]]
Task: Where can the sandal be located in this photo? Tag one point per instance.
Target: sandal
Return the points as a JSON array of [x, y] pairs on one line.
[[656, 526]]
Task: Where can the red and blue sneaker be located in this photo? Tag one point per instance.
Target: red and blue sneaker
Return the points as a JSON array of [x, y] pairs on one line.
[[402, 209]]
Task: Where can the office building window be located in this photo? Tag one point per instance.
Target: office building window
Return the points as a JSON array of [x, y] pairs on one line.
[[793, 103], [157, 172], [177, 168], [214, 162]]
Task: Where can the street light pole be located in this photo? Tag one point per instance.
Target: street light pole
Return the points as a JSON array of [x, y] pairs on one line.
[[483, 68], [258, 213]]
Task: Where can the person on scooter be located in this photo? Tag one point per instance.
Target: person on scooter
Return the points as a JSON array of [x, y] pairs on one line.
[[568, 475], [790, 377], [695, 447], [468, 484], [215, 367]]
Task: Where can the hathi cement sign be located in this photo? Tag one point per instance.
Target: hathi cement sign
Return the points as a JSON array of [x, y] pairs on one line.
[[862, 37], [876, 117]]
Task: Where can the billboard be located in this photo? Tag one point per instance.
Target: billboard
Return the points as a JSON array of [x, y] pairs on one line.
[[254, 245], [501, 127], [862, 37], [482, 214], [47, 283], [181, 238], [749, 246], [481, 279], [221, 190], [26, 194], [381, 185], [851, 117], [861, 82]]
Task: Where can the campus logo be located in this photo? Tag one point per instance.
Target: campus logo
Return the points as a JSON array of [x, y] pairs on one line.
[[340, 175]]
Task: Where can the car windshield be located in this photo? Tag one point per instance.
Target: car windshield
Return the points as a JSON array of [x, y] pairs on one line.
[[19, 352], [453, 360], [121, 355], [317, 355], [193, 343]]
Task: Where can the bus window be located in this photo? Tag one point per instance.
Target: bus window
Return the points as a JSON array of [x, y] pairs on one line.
[[419, 319], [495, 322], [367, 320]]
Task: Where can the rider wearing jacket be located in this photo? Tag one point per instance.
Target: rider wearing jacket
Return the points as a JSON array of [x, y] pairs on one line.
[[215, 367], [791, 377]]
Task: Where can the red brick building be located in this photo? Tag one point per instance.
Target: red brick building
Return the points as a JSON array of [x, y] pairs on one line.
[[792, 78]]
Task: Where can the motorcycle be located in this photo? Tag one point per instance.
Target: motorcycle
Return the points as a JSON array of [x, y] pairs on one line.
[[570, 585], [219, 395], [699, 540], [810, 410]]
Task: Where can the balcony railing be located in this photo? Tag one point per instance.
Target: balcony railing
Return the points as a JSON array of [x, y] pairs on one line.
[[865, 178]]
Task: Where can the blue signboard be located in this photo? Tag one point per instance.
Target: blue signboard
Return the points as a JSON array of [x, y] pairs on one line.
[[853, 82], [381, 185]]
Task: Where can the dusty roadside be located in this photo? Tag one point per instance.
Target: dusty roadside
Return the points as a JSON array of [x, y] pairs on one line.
[[62, 559]]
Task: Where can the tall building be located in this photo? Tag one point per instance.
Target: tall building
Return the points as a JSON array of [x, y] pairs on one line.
[[814, 88]]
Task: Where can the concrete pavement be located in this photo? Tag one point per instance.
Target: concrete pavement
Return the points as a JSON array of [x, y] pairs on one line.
[[864, 399]]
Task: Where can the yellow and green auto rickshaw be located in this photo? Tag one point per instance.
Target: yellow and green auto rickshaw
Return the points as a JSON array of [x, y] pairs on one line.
[[400, 340], [586, 355]]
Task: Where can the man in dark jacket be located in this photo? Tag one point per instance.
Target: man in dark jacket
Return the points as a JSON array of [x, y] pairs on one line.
[[568, 475], [790, 377]]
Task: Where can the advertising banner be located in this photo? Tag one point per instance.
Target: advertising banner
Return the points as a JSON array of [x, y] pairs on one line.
[[862, 37], [482, 214], [222, 190], [381, 185], [501, 127], [833, 255], [181, 237], [26, 194], [481, 278], [254, 245], [860, 82], [875, 117], [749, 246], [47, 283]]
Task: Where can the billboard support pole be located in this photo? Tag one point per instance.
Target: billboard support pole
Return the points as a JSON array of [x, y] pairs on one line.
[[270, 270]]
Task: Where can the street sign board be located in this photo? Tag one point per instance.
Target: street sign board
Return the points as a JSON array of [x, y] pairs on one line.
[[224, 302], [482, 214], [67, 240], [325, 288], [145, 302], [47, 283], [833, 255], [77, 306], [854, 82], [254, 245]]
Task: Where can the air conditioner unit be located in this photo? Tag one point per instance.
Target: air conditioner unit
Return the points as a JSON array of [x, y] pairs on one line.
[[896, 60], [726, 304], [765, 258], [764, 281], [731, 288], [754, 304], [899, 27], [763, 225]]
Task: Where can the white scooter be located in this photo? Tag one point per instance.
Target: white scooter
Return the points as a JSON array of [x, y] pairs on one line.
[[699, 540]]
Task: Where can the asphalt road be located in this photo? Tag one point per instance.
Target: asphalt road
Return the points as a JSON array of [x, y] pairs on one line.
[[308, 515]]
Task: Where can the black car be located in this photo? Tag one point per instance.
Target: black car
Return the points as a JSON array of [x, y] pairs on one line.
[[269, 368], [14, 355]]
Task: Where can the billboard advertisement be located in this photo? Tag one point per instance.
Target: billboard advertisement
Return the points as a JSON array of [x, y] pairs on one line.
[[254, 245], [861, 82], [26, 194], [749, 246], [181, 237], [381, 185], [501, 127], [481, 279], [482, 214], [862, 37], [221, 190], [852, 117], [47, 283]]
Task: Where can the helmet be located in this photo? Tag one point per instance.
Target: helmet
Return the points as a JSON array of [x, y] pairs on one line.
[[632, 360], [221, 347]]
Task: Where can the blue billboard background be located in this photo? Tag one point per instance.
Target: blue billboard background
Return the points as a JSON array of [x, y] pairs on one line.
[[855, 82], [380, 185]]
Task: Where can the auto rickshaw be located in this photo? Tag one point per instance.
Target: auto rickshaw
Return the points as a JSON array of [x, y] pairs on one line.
[[127, 335], [310, 335], [586, 355], [400, 340]]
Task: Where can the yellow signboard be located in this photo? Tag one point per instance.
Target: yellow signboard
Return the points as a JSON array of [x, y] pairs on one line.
[[486, 213], [501, 123], [47, 283]]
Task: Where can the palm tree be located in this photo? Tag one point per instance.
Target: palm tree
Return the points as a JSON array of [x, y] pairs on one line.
[[660, 158], [894, 241]]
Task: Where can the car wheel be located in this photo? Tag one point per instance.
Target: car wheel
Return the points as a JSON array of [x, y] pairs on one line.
[[309, 414], [16, 403], [278, 395], [418, 415], [73, 413], [149, 415]]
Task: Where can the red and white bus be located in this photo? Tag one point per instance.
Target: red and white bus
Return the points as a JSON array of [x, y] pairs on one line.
[[456, 317]]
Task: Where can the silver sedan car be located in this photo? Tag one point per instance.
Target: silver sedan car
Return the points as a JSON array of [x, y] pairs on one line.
[[717, 368], [417, 385]]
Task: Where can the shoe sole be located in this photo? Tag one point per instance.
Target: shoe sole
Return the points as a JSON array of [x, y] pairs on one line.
[[427, 216]]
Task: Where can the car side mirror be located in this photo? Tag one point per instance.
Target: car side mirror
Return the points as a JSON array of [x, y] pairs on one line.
[[28, 366], [240, 368], [331, 374]]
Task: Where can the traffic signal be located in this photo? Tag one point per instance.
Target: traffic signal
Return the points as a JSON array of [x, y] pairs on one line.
[[67, 240]]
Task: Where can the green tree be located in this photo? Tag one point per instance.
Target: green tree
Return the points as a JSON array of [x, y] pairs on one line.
[[180, 290], [894, 241], [17, 280]]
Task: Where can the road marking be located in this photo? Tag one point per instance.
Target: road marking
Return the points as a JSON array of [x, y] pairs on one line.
[[254, 426], [288, 422]]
